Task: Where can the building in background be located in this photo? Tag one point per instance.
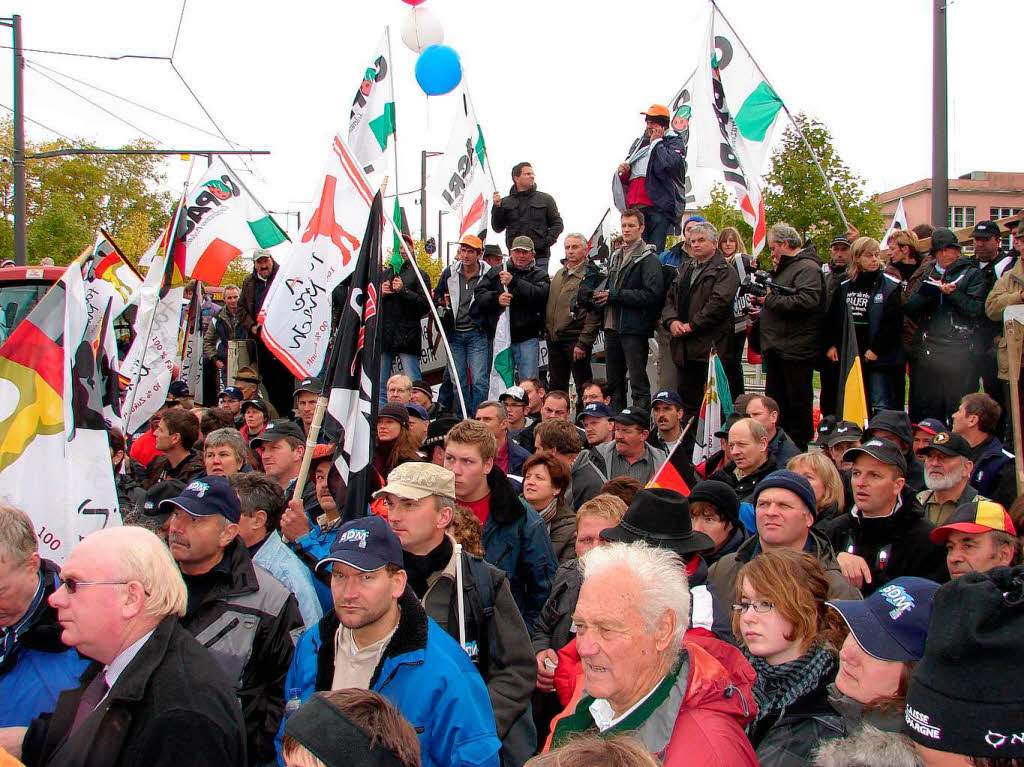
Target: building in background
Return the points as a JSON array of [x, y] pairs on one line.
[[973, 197]]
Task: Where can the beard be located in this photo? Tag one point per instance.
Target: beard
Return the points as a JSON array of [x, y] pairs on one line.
[[936, 481]]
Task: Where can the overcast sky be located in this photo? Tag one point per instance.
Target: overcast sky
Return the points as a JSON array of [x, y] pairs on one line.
[[559, 83]]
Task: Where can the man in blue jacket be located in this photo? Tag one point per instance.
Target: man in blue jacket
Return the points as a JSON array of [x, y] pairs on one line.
[[35, 666], [379, 638]]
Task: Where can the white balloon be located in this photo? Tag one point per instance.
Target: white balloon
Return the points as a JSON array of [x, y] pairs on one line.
[[421, 29]]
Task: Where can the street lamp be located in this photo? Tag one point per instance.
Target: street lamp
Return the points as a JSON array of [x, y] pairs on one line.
[[423, 195]]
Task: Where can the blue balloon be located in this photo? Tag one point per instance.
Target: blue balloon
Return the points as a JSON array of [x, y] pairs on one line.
[[438, 69]]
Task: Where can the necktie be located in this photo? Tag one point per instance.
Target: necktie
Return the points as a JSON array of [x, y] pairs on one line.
[[91, 697]]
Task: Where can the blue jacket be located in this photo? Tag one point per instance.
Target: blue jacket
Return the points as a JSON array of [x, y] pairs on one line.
[[517, 456], [994, 473], [40, 666], [283, 564], [516, 540], [425, 674], [310, 549]]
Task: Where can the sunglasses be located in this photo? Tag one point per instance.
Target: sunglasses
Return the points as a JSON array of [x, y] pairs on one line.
[[73, 585]]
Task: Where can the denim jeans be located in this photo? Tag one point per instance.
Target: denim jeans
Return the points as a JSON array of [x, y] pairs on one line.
[[472, 358], [410, 362], [656, 228], [526, 358]]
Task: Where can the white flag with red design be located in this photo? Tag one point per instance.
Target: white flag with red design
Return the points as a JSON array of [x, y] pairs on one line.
[[296, 314], [463, 178]]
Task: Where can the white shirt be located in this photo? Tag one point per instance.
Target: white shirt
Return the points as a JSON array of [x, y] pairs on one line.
[[112, 671], [604, 716]]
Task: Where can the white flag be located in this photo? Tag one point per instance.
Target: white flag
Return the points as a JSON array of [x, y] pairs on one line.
[[463, 177], [501, 362], [190, 343], [899, 221], [296, 313], [54, 452], [371, 125], [714, 410], [222, 220]]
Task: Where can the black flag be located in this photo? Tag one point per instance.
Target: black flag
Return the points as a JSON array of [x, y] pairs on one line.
[[353, 379]]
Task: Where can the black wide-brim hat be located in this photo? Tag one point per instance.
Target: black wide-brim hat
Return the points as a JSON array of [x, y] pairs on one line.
[[661, 518]]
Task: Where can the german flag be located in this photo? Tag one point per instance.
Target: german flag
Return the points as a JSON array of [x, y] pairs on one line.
[[173, 247], [852, 403], [676, 473], [32, 360]]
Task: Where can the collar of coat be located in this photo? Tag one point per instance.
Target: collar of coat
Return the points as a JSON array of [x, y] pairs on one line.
[[410, 638]]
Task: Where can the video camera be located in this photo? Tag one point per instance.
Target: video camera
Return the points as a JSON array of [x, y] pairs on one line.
[[758, 283]]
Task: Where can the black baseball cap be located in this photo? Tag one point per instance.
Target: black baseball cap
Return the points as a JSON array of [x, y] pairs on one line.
[[842, 240], [310, 384], [179, 389], [669, 397], [233, 392], [931, 426], [206, 497], [985, 229], [367, 544], [258, 404], [881, 450], [944, 238], [844, 431], [947, 443], [633, 417], [276, 430], [158, 493]]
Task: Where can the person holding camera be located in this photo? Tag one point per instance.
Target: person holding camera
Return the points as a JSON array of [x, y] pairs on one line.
[[790, 318], [698, 313]]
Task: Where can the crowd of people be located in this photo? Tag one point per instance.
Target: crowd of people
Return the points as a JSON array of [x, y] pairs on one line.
[[515, 589]]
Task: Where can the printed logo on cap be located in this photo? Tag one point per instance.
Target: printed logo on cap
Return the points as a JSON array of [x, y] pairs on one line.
[[356, 534], [940, 438], [627, 411], [873, 443], [901, 601], [198, 487], [842, 429], [662, 394], [921, 723]]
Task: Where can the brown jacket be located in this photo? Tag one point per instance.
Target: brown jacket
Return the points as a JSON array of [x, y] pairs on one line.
[[558, 319], [706, 306], [1004, 294]]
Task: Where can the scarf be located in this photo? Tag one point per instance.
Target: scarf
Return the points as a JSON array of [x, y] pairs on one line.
[[778, 687], [420, 567], [549, 511]]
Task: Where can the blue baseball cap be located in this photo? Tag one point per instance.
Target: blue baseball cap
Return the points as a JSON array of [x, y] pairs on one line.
[[366, 544], [892, 623], [232, 391], [930, 426], [596, 409], [668, 397], [417, 411], [206, 497]]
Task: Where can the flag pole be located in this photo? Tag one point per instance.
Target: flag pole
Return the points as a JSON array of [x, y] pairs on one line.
[[799, 130], [459, 599], [450, 361], [394, 142], [678, 446], [168, 253]]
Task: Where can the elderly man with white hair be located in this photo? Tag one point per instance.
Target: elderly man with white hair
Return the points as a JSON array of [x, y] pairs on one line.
[[685, 703], [155, 696]]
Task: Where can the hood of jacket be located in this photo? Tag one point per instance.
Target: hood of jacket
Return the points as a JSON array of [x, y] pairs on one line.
[[720, 679], [506, 507], [820, 548], [44, 633], [808, 253], [868, 745]]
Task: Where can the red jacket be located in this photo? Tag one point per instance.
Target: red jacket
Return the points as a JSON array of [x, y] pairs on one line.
[[718, 702]]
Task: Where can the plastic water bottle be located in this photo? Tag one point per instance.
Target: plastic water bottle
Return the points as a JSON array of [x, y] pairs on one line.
[[294, 701]]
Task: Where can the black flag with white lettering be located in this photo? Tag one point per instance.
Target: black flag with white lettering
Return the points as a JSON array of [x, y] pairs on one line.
[[352, 382]]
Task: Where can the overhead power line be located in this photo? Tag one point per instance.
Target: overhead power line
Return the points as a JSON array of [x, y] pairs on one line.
[[41, 125], [89, 55]]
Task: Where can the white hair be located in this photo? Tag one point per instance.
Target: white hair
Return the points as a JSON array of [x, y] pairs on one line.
[[141, 556], [660, 576], [708, 228]]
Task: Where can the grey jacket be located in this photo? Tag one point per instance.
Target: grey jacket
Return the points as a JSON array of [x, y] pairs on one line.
[[722, 575], [585, 480], [552, 631], [281, 562]]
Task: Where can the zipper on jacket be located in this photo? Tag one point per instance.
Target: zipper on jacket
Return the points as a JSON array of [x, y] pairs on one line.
[[221, 634]]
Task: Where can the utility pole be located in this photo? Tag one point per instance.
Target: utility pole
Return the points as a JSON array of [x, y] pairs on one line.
[[423, 191], [18, 160], [940, 151]]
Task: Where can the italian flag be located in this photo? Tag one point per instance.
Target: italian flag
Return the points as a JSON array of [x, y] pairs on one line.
[[501, 365], [226, 220]]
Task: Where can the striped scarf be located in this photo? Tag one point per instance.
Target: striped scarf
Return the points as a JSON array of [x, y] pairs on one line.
[[778, 687]]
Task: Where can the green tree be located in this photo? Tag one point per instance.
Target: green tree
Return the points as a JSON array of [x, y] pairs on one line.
[[722, 212], [795, 192], [69, 198]]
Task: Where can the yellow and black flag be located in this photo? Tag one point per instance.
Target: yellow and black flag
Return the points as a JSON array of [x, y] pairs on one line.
[[852, 405]]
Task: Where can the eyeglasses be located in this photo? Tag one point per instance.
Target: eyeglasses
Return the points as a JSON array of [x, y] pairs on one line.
[[72, 585], [760, 606]]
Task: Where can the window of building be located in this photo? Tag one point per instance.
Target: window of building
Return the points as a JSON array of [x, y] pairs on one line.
[[961, 216], [997, 213]]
